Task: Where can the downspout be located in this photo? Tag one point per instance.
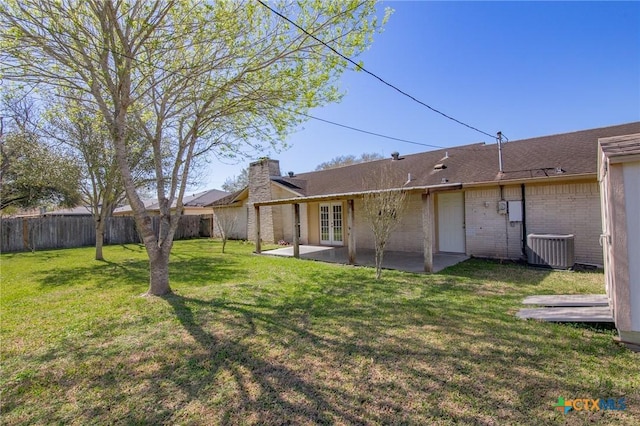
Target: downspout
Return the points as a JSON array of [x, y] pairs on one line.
[[506, 224], [524, 222]]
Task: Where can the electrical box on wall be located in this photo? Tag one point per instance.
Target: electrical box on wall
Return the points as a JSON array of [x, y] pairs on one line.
[[502, 207], [515, 211]]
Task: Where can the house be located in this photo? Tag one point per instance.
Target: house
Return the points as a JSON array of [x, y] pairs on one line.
[[619, 176], [474, 199], [73, 211], [70, 211], [193, 204]]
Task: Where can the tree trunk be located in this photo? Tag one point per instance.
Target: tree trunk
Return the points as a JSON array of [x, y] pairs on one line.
[[99, 239], [224, 242], [159, 270], [379, 256]]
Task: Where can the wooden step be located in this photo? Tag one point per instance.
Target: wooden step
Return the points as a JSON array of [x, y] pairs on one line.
[[566, 300], [568, 314]]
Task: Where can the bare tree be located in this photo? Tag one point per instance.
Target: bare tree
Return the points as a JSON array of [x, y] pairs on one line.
[[84, 132], [382, 210], [195, 78], [347, 160], [226, 220], [236, 183]]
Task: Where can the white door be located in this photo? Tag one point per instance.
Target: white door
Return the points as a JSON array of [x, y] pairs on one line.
[[451, 222], [331, 224]]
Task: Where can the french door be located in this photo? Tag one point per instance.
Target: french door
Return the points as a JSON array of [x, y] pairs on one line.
[[331, 224]]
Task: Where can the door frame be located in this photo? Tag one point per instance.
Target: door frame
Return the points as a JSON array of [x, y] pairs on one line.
[[335, 223], [462, 230]]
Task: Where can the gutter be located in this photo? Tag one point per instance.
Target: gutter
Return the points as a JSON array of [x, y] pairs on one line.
[[542, 179], [358, 194]]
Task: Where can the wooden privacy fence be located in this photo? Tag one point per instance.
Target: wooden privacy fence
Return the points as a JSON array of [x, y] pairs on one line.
[[48, 232]]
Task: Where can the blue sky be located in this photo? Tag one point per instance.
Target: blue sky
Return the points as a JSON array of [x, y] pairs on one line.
[[524, 68]]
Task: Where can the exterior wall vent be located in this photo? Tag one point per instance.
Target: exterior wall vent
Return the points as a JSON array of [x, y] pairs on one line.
[[551, 250]]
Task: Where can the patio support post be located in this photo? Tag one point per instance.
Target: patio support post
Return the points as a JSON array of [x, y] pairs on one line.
[[427, 229], [258, 248], [212, 230], [351, 233], [296, 230]]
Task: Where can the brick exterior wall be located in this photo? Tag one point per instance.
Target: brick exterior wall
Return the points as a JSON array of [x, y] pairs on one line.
[[282, 215], [407, 236], [489, 233], [572, 208], [287, 215], [567, 208], [276, 222], [260, 190], [239, 231]]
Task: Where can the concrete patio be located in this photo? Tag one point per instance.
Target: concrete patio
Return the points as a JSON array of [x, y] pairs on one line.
[[402, 261]]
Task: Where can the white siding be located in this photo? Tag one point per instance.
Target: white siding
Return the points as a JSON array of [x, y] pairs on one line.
[[631, 174]]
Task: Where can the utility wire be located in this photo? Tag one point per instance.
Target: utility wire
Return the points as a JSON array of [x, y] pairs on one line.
[[360, 67], [380, 135], [355, 129], [368, 132]]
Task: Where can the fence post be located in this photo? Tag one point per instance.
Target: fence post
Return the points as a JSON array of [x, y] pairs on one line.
[[25, 234]]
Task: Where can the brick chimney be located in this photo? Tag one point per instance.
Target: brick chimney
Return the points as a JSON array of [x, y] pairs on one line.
[[260, 174]]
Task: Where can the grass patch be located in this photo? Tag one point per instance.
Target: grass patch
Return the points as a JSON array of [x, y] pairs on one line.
[[251, 339]]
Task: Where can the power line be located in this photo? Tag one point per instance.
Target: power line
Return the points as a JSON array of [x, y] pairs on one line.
[[174, 72], [380, 135], [360, 67], [368, 132]]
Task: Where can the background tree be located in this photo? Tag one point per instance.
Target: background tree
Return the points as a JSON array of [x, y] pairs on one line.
[[84, 132], [192, 77], [382, 210], [347, 160], [226, 220], [32, 173], [236, 183]]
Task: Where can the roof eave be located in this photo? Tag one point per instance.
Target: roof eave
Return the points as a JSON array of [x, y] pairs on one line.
[[353, 195], [286, 188], [540, 179], [239, 196]]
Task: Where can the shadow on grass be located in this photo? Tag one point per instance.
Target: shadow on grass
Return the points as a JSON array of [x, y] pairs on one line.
[[194, 271], [139, 248], [337, 346], [508, 271], [490, 350], [431, 369], [273, 379]]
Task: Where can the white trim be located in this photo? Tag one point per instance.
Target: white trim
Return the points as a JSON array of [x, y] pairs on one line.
[[286, 188], [331, 225]]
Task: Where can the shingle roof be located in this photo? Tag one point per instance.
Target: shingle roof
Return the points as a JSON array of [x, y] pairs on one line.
[[73, 211], [227, 200], [204, 198], [148, 202], [200, 199], [621, 147], [570, 153]]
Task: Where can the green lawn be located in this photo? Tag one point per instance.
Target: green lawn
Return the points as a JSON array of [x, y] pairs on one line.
[[251, 339]]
